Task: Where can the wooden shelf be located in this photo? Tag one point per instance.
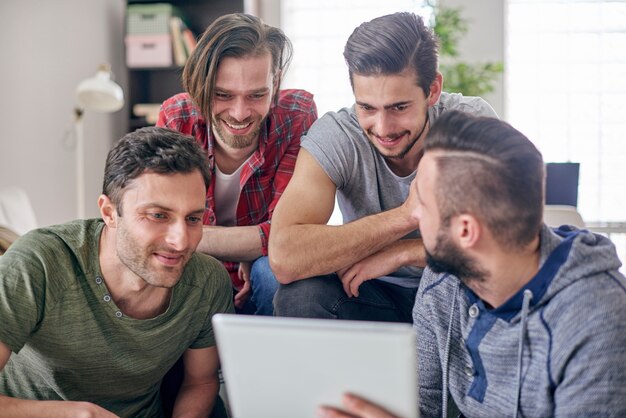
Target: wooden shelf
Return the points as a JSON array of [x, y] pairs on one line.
[[156, 84]]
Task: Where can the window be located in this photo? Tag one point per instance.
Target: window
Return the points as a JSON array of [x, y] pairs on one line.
[[565, 89], [319, 31]]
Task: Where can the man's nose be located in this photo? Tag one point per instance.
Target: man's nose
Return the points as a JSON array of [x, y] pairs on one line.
[[383, 125], [240, 110], [177, 236]]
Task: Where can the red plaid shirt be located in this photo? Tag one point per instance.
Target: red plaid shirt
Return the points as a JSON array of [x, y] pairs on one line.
[[266, 174]]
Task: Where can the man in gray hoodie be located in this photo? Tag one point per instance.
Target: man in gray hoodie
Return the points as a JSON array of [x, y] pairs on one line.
[[512, 318]]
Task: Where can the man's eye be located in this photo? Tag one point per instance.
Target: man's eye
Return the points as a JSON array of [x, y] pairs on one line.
[[400, 108], [258, 96], [158, 216], [193, 220], [222, 96], [365, 108]]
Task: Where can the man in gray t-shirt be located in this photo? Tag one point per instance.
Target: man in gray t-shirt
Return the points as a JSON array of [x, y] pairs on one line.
[[366, 156]]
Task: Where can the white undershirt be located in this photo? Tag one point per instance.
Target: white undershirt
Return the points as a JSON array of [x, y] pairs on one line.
[[226, 194]]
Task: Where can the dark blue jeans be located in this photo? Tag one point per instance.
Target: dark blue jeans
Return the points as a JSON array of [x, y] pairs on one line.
[[324, 297], [264, 285]]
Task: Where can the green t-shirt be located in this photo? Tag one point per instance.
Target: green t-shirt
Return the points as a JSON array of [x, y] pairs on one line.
[[69, 339]]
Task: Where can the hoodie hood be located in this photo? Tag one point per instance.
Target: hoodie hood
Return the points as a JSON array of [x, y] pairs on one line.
[[580, 254], [568, 254]]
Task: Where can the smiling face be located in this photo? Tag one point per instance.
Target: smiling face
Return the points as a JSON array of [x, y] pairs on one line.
[[161, 225], [243, 93], [393, 111]]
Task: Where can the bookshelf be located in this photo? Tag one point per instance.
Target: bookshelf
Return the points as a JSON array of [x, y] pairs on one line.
[[154, 84]]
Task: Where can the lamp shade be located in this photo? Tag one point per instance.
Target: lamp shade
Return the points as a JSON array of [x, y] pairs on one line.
[[99, 93]]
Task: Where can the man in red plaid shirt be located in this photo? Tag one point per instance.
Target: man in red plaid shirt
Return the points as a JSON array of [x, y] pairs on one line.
[[251, 132]]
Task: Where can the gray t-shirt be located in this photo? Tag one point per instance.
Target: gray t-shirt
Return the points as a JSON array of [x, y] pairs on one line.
[[365, 183], [69, 339]]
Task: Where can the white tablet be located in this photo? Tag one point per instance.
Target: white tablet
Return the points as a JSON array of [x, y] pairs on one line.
[[288, 367]]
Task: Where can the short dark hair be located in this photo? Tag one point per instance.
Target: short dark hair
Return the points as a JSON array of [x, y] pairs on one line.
[[232, 35], [391, 44], [155, 150], [491, 170]]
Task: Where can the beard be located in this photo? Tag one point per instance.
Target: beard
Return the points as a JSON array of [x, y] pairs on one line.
[[447, 257], [237, 141], [139, 259]]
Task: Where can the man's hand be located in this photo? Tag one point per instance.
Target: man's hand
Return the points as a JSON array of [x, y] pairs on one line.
[[13, 407], [244, 293], [411, 204], [93, 411], [354, 407], [405, 252], [376, 265]]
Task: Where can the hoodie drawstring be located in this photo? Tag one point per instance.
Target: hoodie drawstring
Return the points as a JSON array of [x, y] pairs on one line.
[[446, 359], [528, 296]]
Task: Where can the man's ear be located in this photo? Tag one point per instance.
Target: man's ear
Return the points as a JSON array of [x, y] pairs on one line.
[[436, 88], [466, 230], [108, 211]]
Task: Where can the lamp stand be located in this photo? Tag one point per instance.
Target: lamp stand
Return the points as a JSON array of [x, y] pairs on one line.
[[80, 163]]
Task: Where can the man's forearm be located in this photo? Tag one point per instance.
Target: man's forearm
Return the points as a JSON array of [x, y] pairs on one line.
[[25, 408], [234, 243], [302, 251], [196, 400]]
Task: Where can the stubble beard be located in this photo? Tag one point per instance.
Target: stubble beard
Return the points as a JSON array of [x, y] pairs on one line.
[[138, 262], [237, 141], [408, 147]]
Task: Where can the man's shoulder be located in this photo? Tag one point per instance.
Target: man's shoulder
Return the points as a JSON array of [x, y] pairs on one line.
[[180, 106], [206, 285], [474, 105], [205, 270], [48, 242], [599, 298], [342, 123], [436, 285], [295, 101]]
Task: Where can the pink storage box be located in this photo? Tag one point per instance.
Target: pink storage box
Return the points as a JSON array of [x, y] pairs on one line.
[[148, 51]]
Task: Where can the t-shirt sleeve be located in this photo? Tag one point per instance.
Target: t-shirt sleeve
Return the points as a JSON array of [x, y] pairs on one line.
[[330, 142], [22, 292], [220, 300], [477, 106]]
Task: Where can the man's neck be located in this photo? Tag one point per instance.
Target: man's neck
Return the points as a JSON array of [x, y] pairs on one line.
[[507, 273], [229, 159], [135, 298], [407, 165]]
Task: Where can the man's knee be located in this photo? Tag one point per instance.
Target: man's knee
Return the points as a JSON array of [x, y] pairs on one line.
[[261, 267], [264, 285], [315, 297]]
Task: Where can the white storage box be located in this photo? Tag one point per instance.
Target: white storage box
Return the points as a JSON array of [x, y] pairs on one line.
[[148, 51]]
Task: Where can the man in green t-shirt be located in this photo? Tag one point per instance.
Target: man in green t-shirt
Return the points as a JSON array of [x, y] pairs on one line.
[[94, 312]]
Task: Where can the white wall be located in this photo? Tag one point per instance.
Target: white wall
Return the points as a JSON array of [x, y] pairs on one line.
[[47, 48], [484, 41]]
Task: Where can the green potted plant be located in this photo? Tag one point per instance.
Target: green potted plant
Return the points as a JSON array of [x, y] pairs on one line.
[[474, 79]]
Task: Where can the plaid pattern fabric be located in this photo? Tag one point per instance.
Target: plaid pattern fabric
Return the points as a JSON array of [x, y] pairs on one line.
[[267, 172]]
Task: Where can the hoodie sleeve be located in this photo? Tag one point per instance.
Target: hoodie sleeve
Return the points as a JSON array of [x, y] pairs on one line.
[[428, 361], [589, 356]]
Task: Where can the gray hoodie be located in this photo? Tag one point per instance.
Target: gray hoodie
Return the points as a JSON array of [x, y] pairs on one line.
[[556, 348]]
